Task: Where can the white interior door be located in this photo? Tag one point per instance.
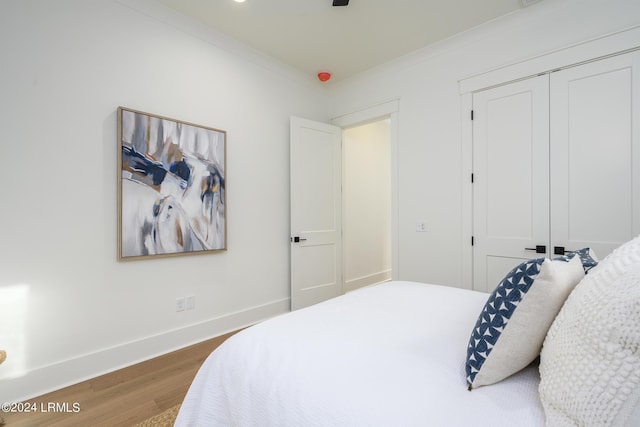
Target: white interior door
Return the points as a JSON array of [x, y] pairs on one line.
[[316, 245], [595, 152], [511, 177]]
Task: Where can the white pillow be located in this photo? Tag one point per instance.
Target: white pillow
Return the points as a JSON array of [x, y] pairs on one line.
[[590, 361], [514, 322]]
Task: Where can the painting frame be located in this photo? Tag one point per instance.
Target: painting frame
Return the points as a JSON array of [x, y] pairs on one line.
[[171, 187]]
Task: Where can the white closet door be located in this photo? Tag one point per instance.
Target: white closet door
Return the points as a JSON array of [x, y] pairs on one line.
[[511, 177], [595, 152]]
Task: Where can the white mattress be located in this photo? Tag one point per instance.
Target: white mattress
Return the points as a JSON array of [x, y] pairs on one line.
[[388, 355]]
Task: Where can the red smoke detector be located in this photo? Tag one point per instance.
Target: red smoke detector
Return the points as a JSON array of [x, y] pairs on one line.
[[323, 76]]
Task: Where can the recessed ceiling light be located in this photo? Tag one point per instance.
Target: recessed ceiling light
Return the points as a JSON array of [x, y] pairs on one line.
[[239, 1]]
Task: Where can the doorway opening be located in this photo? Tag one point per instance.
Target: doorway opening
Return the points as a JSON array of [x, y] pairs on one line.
[[367, 204]]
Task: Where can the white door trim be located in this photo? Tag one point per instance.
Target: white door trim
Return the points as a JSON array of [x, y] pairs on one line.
[[598, 48]]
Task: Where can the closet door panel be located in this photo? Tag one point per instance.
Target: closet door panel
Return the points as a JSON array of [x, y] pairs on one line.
[[593, 155], [511, 177]]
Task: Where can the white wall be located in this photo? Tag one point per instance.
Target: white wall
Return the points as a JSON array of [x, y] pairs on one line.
[[366, 189], [431, 120], [68, 309]]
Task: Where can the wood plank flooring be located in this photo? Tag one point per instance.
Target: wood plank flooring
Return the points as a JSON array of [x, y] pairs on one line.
[[121, 398]]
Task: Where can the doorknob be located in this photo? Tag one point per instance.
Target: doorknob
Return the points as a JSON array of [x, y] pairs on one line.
[[560, 250], [540, 249], [297, 239]]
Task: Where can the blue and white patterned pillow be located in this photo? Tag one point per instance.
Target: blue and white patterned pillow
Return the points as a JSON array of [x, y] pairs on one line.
[[511, 328], [587, 257]]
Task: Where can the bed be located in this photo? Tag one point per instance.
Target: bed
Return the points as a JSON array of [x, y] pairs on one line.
[[393, 354], [386, 355]]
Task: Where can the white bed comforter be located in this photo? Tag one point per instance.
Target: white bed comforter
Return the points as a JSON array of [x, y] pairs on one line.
[[388, 355]]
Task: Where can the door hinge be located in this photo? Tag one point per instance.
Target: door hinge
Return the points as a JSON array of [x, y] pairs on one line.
[[472, 240], [471, 114], [472, 178]]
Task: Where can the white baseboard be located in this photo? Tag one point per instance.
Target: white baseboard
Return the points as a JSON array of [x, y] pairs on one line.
[[72, 371], [371, 279]]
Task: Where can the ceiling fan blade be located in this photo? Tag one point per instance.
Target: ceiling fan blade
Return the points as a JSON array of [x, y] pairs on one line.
[[341, 2]]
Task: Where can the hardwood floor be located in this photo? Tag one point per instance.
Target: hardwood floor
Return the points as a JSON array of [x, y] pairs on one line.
[[120, 398]]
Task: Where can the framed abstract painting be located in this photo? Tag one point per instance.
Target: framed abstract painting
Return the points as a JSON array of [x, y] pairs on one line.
[[171, 187]]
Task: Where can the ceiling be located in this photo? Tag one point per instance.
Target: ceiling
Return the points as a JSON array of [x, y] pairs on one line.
[[313, 36]]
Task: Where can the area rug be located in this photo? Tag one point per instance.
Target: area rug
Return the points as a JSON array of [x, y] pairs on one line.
[[164, 419]]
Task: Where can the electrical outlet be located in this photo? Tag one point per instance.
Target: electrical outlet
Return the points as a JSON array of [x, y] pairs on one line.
[[190, 302], [180, 304], [421, 226]]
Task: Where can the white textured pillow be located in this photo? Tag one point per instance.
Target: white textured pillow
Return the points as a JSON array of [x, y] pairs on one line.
[[590, 360], [510, 330]]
